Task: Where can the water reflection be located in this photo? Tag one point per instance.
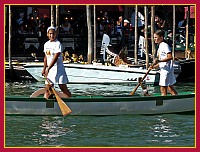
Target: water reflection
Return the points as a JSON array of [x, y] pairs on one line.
[[163, 131], [50, 131], [168, 130]]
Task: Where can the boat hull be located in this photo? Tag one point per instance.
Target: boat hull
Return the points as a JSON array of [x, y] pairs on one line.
[[99, 105], [98, 74]]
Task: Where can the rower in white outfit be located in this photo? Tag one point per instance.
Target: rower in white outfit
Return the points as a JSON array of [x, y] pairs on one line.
[[54, 69]]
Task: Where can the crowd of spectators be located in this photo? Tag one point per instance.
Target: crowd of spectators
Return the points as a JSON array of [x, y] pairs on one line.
[[113, 24]]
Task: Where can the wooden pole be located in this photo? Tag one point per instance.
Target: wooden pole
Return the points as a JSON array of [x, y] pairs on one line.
[[187, 32], [57, 18], [9, 39], [152, 31], [136, 35], [174, 29], [95, 56], [52, 16], [89, 26], [146, 36]]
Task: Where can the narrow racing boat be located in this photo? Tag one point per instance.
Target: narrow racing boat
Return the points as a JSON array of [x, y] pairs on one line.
[[102, 105]]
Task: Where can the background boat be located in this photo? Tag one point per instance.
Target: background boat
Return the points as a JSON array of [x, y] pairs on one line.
[[121, 72], [98, 73]]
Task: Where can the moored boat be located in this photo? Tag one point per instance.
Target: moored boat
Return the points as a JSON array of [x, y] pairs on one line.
[[98, 73], [102, 105]]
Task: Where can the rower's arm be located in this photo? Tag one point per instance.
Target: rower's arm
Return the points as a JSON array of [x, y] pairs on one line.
[[55, 58]]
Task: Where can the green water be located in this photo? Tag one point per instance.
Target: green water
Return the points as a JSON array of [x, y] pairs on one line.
[[167, 130], [129, 130]]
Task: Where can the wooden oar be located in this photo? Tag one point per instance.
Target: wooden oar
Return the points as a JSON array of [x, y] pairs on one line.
[[144, 88], [134, 90], [63, 107]]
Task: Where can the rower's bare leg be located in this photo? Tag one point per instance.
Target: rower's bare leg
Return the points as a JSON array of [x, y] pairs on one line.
[[47, 91], [172, 90], [65, 90], [163, 90]]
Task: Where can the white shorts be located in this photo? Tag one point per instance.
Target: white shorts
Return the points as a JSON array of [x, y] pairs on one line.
[[56, 77], [167, 78]]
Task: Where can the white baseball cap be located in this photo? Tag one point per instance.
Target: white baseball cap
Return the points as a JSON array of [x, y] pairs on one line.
[[126, 21], [51, 28]]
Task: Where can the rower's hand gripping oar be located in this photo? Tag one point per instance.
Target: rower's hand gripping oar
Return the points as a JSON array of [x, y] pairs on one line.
[[134, 90], [63, 107]]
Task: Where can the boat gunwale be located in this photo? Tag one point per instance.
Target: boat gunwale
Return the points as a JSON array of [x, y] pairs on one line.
[[121, 98]]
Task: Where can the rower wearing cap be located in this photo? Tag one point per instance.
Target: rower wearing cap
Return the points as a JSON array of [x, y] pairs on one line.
[[54, 69]]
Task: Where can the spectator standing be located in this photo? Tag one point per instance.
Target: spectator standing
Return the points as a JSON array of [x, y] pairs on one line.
[[66, 27], [159, 23]]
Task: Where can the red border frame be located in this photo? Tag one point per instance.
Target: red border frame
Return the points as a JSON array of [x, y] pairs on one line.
[[3, 149]]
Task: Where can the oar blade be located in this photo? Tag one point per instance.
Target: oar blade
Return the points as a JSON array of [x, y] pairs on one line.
[[63, 107], [132, 93]]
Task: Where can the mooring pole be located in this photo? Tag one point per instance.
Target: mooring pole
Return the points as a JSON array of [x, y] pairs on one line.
[[9, 40]]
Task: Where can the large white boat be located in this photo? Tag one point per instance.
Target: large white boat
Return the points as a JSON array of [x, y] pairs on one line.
[[97, 73]]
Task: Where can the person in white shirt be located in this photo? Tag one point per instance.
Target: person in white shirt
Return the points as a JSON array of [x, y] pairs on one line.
[[140, 19], [54, 69], [140, 31], [66, 27], [165, 63]]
